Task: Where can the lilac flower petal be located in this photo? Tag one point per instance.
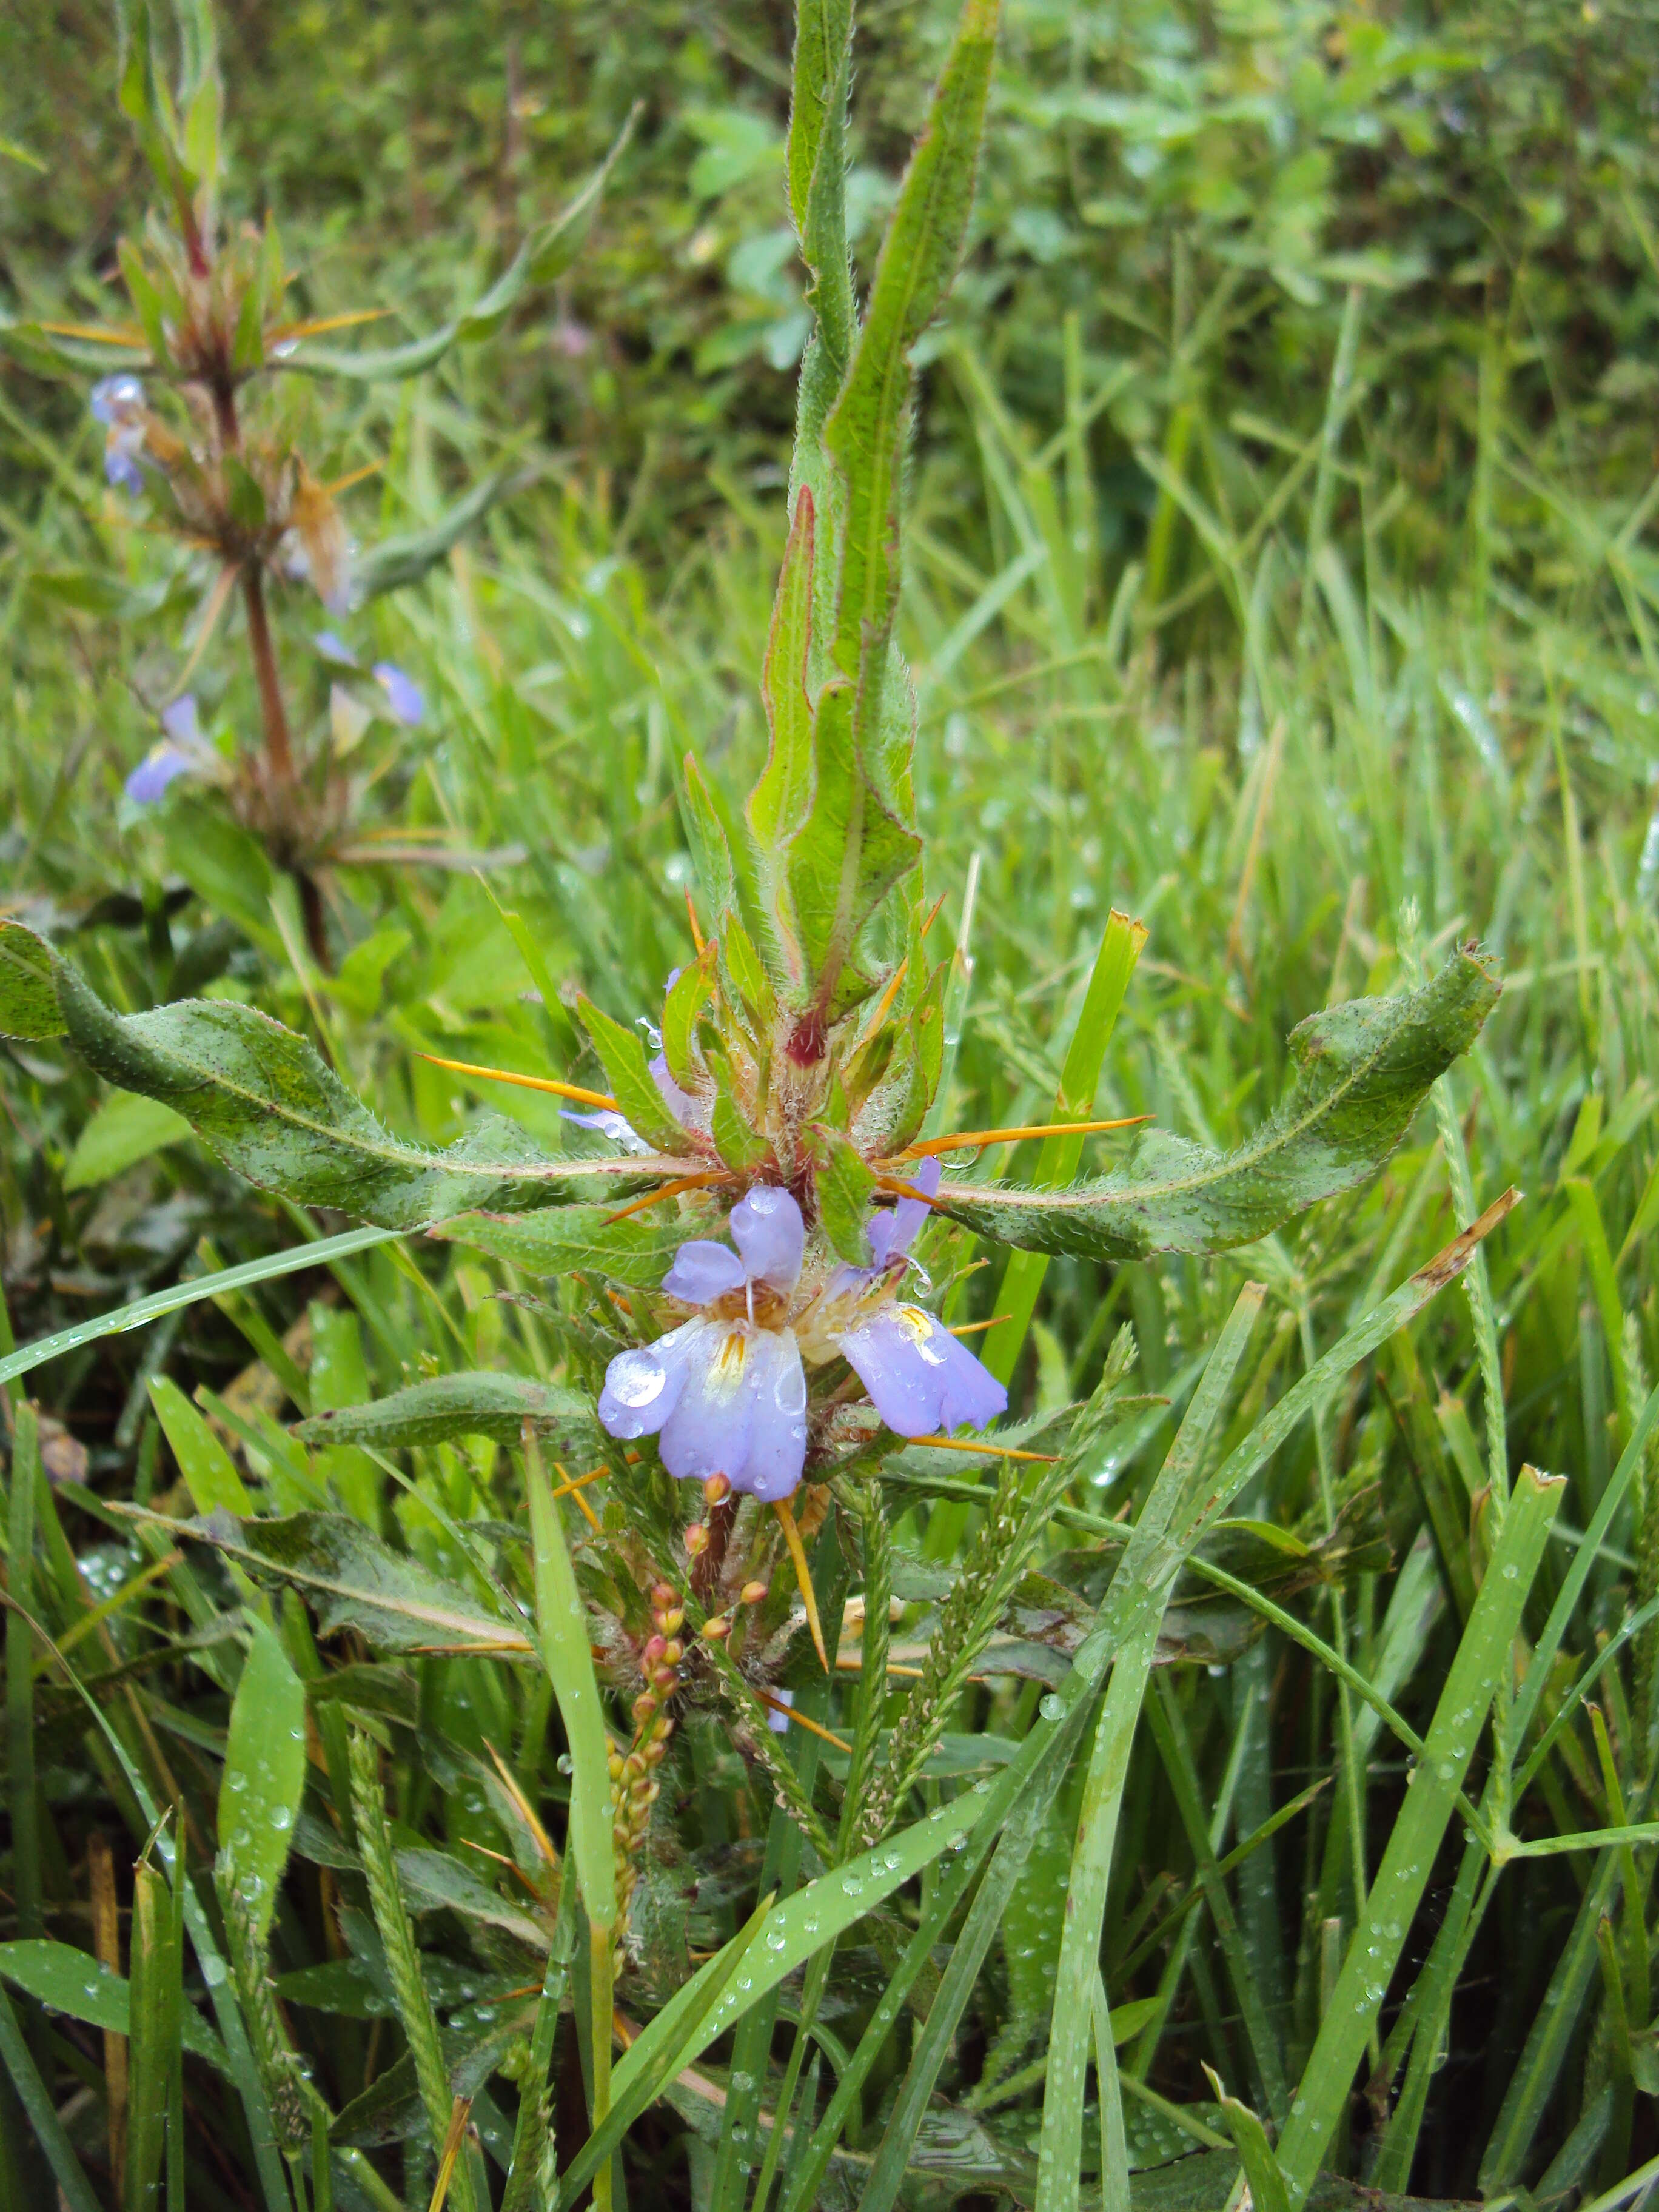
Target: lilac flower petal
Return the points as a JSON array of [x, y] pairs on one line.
[[157, 769], [685, 1110], [703, 1272], [708, 1432], [768, 1229], [777, 1433], [402, 693], [642, 1387], [609, 1123], [335, 649], [112, 397], [779, 1722], [893, 1232], [182, 724], [972, 1396], [919, 1378], [121, 470]]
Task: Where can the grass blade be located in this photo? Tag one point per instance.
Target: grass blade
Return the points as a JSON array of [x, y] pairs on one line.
[[1409, 1862], [1074, 1100]]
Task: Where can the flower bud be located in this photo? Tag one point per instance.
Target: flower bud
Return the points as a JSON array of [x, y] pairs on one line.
[[652, 1652], [653, 1751], [615, 1764], [664, 1594], [667, 1680], [672, 1621], [717, 1630], [696, 1540], [753, 1593], [717, 1489], [644, 1706], [663, 1729], [672, 1652]]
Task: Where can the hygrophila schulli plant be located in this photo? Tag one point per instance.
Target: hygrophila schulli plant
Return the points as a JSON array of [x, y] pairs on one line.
[[207, 430], [734, 1225]]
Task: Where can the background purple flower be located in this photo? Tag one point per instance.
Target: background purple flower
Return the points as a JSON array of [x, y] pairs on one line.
[[118, 402], [183, 751], [403, 694]]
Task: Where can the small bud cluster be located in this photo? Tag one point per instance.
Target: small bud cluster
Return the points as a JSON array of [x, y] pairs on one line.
[[635, 1787]]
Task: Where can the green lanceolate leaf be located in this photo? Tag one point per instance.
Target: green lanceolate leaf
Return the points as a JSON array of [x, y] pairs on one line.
[[563, 1240], [845, 1184], [73, 1982], [561, 1620], [865, 434], [779, 802], [267, 1103], [355, 1580], [823, 33], [687, 996], [711, 855], [397, 562], [1360, 1071], [28, 987], [544, 257], [449, 1406], [264, 1775], [841, 862], [622, 1055]]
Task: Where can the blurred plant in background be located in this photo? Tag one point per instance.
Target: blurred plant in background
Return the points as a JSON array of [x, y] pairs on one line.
[[205, 425]]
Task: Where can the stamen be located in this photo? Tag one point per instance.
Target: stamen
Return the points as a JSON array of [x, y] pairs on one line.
[[967, 1139], [973, 1327], [680, 1184], [526, 1081], [991, 1451], [803, 1577], [691, 916], [776, 1706]]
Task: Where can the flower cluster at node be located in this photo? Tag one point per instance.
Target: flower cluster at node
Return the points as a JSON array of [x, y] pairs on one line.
[[726, 1393]]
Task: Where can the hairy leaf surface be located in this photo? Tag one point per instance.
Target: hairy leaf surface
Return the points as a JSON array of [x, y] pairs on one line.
[[1360, 1072]]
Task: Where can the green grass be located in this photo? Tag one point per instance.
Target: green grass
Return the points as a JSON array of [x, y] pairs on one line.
[[1315, 626]]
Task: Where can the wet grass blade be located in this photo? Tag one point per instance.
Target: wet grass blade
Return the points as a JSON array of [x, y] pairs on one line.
[[1074, 1100], [561, 1623], [1409, 1861], [30, 1356], [1059, 2155]]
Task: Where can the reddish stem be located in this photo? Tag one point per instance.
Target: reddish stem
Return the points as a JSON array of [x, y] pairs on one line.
[[279, 751]]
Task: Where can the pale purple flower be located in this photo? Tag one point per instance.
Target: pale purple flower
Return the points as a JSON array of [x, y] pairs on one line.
[[149, 779], [402, 694], [118, 402], [334, 648], [609, 1123], [183, 751], [920, 1380], [725, 1392], [690, 1112]]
